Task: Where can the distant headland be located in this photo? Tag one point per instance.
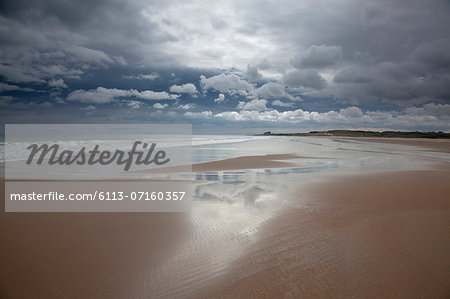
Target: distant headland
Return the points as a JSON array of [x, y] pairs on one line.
[[361, 133]]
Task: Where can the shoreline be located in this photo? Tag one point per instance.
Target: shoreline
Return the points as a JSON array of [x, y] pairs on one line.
[[376, 234]]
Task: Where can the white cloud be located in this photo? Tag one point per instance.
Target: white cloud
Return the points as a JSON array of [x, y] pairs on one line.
[[17, 74], [275, 90], [6, 86], [151, 77], [185, 88], [351, 112], [57, 83], [102, 95], [268, 115], [231, 84], [154, 95], [86, 54], [346, 117], [198, 115], [171, 114], [160, 106], [258, 105], [282, 104], [120, 60], [134, 104], [220, 98], [230, 115], [186, 106], [51, 70], [88, 108]]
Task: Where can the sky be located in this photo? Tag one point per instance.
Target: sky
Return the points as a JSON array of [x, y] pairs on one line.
[[228, 66]]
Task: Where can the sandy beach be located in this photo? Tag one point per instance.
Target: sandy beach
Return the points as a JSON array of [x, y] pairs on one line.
[[440, 145], [224, 149], [371, 235]]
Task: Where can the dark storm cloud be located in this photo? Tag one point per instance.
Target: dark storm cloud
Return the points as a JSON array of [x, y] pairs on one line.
[[41, 40], [421, 76], [46, 39], [318, 57], [304, 78], [388, 50], [381, 54], [252, 74]]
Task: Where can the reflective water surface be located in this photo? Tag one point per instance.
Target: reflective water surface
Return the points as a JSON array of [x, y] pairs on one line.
[[231, 206]]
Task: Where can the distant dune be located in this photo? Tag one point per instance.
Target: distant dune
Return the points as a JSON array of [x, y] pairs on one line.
[[360, 133]]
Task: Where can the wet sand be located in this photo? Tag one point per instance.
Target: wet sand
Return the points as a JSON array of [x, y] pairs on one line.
[[372, 235], [50, 255], [379, 235]]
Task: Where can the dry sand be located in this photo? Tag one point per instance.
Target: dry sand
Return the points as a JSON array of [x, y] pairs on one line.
[[84, 255], [379, 235], [440, 145]]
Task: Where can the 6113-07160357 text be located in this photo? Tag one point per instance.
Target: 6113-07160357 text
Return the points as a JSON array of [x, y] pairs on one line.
[[99, 195]]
